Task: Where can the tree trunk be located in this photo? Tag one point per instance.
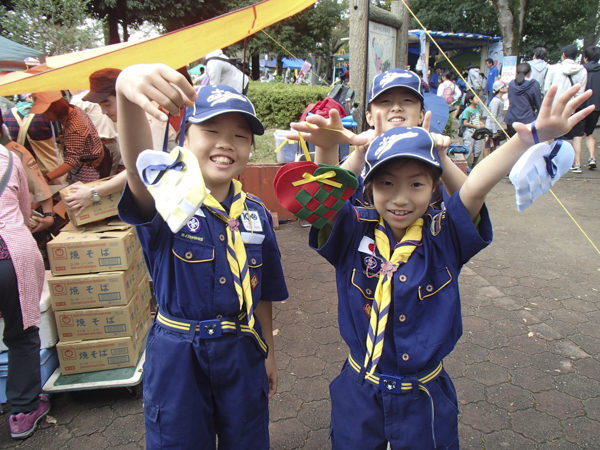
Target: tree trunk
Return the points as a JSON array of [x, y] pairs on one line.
[[256, 66], [511, 25], [112, 19], [279, 66], [592, 33], [125, 31]]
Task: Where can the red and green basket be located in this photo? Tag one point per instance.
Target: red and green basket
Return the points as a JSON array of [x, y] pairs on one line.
[[312, 192]]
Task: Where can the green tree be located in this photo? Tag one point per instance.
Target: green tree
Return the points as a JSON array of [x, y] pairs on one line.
[[51, 26], [466, 16]]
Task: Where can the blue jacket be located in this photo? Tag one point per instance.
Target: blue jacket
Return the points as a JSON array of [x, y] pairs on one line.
[[523, 102]]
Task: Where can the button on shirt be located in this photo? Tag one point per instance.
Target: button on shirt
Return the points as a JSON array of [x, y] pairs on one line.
[[424, 321], [192, 277]]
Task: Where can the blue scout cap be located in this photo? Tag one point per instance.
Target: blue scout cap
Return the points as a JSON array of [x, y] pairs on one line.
[[394, 78], [401, 142], [221, 99]]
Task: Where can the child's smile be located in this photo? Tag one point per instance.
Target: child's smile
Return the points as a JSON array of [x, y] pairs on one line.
[[401, 194], [398, 107], [222, 145]]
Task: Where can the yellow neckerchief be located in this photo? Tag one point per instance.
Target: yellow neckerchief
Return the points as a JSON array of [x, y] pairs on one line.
[[383, 293], [236, 252]]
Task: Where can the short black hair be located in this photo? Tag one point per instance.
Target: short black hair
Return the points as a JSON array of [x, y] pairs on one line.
[[540, 53], [592, 53], [469, 97], [570, 51], [489, 60]]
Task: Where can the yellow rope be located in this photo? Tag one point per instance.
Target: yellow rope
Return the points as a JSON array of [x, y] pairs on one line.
[[454, 67], [292, 55], [499, 126], [573, 219]]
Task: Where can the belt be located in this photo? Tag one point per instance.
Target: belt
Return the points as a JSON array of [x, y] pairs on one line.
[[211, 329], [395, 384], [108, 141]]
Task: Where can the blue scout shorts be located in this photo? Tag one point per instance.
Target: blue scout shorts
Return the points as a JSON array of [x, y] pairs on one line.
[[195, 389], [365, 417]]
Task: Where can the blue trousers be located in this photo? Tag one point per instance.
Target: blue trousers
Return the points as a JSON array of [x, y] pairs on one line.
[[195, 390], [364, 417]]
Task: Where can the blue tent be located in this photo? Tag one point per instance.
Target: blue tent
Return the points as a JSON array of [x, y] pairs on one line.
[[13, 54], [292, 63]]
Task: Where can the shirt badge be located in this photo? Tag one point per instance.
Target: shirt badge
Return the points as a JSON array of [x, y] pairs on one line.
[[251, 220], [194, 225], [254, 282]]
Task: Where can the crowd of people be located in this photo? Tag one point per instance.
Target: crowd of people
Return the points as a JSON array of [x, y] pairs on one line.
[[210, 363], [524, 97]]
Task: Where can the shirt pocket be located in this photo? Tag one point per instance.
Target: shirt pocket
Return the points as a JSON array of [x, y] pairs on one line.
[[437, 298], [194, 272], [254, 257], [363, 291]]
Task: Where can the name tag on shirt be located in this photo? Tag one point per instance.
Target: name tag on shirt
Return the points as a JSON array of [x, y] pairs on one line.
[[251, 220]]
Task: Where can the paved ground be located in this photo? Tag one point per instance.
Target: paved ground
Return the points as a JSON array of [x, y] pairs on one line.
[[527, 369]]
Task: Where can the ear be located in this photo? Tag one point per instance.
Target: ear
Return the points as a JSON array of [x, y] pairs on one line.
[[421, 116], [369, 117]]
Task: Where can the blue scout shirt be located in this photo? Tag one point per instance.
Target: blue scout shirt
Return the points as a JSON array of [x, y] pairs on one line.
[[424, 321], [192, 278]]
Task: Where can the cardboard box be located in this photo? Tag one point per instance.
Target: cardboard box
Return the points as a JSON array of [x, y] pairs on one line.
[[97, 323], [103, 247], [101, 323], [102, 354], [94, 290], [106, 207]]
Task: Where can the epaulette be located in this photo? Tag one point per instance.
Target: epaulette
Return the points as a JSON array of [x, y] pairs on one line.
[[255, 199], [367, 213]]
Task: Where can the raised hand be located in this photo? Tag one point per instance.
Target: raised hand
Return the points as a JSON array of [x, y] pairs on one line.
[[143, 83], [556, 120]]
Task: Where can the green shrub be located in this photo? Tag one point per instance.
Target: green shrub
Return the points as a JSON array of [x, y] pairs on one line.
[[278, 104]]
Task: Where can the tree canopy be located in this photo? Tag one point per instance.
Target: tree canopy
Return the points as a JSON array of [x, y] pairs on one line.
[[51, 26]]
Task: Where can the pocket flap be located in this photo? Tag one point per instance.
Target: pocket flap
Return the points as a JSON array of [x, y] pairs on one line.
[[439, 279]]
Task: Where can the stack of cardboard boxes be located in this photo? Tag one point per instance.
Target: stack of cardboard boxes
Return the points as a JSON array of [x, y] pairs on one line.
[[100, 292]]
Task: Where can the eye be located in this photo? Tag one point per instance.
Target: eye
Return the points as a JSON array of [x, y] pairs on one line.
[[241, 136], [209, 131]]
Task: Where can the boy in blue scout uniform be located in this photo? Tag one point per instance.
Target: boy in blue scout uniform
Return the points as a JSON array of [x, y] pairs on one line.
[[397, 266], [210, 368]]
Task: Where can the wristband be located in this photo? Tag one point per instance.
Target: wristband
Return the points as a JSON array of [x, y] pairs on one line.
[[50, 214]]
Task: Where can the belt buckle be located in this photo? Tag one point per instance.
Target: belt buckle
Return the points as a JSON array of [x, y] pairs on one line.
[[390, 383], [210, 329]]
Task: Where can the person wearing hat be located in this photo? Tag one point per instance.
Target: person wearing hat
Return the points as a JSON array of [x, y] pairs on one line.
[[395, 98], [92, 102], [210, 367], [397, 267], [493, 121], [85, 159]]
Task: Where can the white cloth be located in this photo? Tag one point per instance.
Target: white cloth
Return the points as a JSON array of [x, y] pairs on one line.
[[559, 74], [222, 72]]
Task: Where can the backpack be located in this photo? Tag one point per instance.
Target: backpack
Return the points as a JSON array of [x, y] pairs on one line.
[[238, 63], [448, 94]]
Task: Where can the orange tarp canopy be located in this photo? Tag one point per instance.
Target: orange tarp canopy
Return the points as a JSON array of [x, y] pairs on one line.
[[175, 49]]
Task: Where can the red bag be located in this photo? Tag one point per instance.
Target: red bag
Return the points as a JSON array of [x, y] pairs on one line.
[[322, 109]]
